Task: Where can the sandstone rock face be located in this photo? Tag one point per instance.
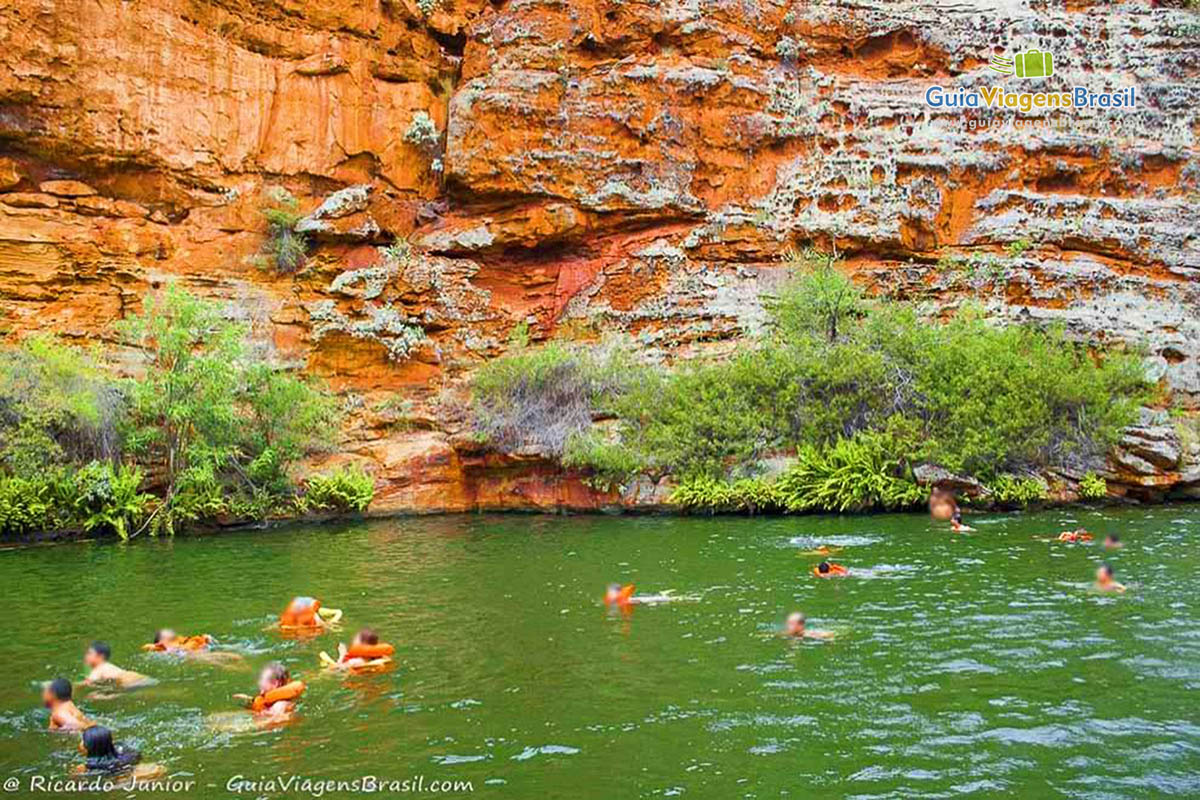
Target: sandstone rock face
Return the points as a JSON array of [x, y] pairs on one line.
[[465, 167]]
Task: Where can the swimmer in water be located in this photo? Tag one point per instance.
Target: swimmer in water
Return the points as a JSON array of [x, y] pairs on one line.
[[105, 758], [64, 714], [828, 570], [942, 505], [1113, 542], [823, 550], [167, 640], [956, 523], [96, 658], [1104, 580], [365, 650], [1075, 536], [307, 613], [277, 692], [796, 627], [618, 595]]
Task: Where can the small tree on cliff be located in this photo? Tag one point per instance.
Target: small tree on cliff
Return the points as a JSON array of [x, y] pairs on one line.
[[217, 422], [185, 402]]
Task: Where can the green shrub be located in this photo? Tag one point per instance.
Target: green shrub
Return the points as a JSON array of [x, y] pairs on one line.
[[747, 495], [343, 489], [286, 250], [855, 474], [56, 406], [541, 396], [1093, 487], [109, 499], [24, 506], [1015, 490]]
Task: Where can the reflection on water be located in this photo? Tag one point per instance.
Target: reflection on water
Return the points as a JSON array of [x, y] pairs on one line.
[[964, 664]]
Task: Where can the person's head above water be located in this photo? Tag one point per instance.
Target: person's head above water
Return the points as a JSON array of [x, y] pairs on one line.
[[795, 624], [1112, 541], [1104, 573], [824, 568], [97, 653], [366, 636], [56, 691], [165, 635], [273, 676], [102, 754]]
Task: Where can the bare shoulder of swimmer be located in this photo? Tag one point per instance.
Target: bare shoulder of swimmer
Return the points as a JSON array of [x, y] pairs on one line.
[[820, 634]]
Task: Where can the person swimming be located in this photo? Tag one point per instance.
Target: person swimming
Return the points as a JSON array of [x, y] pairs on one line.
[[277, 692], [103, 757], [1104, 580], [64, 714], [942, 505], [1075, 536], [956, 523], [365, 651], [1113, 542], [618, 595], [823, 550], [102, 670], [307, 612], [167, 640], [796, 626], [827, 570]]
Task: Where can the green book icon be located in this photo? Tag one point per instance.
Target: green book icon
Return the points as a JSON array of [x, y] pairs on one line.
[[1035, 64]]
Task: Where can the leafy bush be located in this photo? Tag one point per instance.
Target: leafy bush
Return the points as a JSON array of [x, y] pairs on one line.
[[343, 489], [56, 406], [541, 397], [1093, 487], [23, 505], [95, 497], [1015, 490], [852, 474], [748, 495], [967, 395], [286, 249]]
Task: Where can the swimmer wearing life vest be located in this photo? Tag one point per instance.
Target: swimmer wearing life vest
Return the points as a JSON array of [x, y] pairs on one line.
[[167, 640], [103, 671], [956, 523], [1104, 580], [1113, 542], [1075, 536], [823, 550], [618, 595], [64, 714], [365, 652], [306, 613], [796, 627], [277, 692], [828, 570]]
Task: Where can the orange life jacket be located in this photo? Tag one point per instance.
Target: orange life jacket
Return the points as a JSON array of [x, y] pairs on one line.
[[289, 691], [368, 652], [297, 616], [198, 642], [620, 597], [834, 570]]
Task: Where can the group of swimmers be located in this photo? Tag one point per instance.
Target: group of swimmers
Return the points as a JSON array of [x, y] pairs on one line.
[[623, 597], [274, 701]]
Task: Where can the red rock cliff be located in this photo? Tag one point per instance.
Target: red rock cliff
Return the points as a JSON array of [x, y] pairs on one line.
[[582, 166]]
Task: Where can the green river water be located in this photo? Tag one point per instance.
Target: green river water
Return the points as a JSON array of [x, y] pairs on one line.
[[967, 665]]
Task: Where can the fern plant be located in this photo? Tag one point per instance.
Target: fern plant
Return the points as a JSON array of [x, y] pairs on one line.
[[854, 474]]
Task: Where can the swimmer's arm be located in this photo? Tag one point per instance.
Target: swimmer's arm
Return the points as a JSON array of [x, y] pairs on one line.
[[245, 698], [820, 634]]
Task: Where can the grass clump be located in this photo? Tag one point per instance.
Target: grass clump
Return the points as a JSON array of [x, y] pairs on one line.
[[1093, 487]]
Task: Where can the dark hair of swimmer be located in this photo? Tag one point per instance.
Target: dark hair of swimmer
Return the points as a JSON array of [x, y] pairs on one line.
[[160, 635], [823, 567], [278, 673], [368, 636], [60, 688], [1108, 570], [101, 649], [102, 754], [956, 517], [1112, 537]]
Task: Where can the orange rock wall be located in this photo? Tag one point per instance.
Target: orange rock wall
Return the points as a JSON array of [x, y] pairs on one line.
[[592, 165]]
